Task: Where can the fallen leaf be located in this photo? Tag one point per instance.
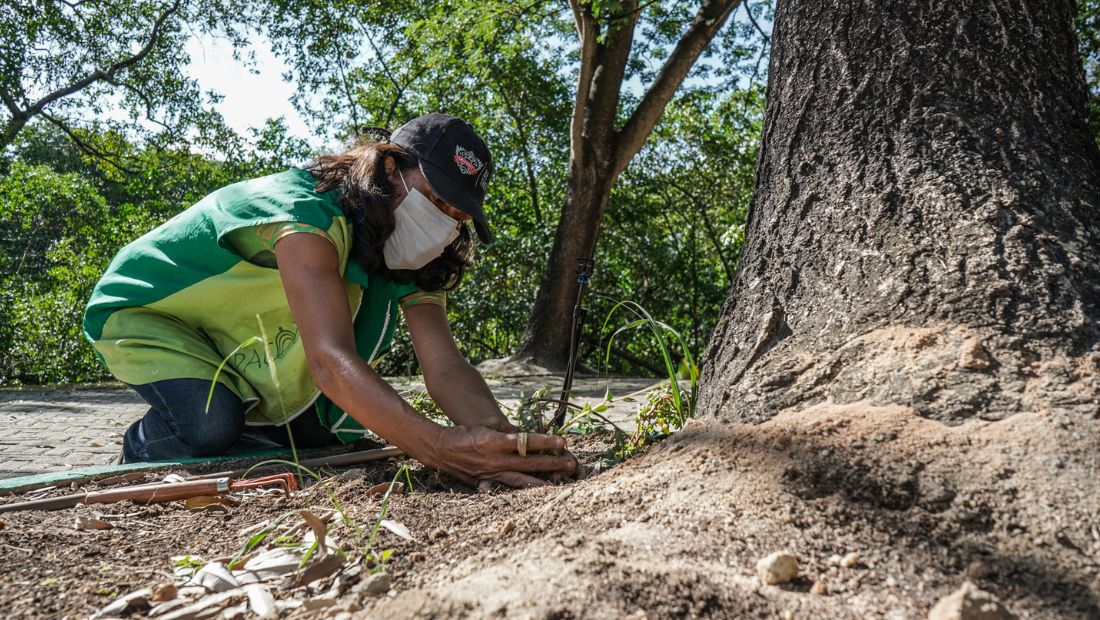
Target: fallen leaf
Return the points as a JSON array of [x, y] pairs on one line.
[[89, 523], [113, 517], [267, 566], [320, 569], [260, 601], [191, 592], [375, 585], [133, 600], [172, 605], [397, 528], [236, 612], [206, 502], [318, 527], [380, 489], [191, 611], [215, 577]]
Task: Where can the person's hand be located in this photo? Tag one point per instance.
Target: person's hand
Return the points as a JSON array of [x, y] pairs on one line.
[[474, 454], [499, 424]]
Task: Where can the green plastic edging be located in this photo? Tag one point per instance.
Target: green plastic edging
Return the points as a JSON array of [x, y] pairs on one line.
[[56, 478]]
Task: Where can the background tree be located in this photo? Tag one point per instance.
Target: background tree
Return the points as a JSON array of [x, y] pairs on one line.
[[570, 95], [64, 62], [607, 129]]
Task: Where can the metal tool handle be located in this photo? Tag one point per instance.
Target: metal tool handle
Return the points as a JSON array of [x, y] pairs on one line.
[[585, 267], [168, 492]]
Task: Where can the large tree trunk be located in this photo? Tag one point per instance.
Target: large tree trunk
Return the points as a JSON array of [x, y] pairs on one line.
[[926, 223]]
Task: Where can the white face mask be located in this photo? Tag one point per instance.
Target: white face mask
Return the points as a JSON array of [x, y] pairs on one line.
[[421, 231]]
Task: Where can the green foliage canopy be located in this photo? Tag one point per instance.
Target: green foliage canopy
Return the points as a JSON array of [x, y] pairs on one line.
[[65, 62]]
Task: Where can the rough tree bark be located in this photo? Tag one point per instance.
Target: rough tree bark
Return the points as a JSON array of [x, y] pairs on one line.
[[598, 153], [925, 228]]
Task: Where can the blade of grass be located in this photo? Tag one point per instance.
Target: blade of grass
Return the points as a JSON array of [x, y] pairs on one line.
[[247, 343]]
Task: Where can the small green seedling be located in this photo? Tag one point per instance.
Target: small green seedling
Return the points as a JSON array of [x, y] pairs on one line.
[[422, 402]]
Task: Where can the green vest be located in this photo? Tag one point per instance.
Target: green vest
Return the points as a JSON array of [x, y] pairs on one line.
[[179, 300]]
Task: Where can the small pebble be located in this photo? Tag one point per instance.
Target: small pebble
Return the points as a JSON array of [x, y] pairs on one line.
[[779, 567], [819, 588], [376, 584], [88, 523], [165, 592], [320, 602], [970, 603], [508, 527], [977, 569], [851, 560]]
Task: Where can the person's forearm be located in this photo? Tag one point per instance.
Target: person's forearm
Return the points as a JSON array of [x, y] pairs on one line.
[[462, 394], [350, 383]]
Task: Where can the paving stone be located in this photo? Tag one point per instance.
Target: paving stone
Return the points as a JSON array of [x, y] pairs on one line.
[[55, 429]]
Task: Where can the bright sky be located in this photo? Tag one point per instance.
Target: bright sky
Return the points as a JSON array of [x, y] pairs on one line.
[[250, 98]]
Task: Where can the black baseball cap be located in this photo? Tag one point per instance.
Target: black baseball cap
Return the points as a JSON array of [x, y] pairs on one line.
[[455, 161]]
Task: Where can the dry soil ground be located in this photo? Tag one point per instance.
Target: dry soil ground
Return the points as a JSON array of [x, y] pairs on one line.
[[676, 532]]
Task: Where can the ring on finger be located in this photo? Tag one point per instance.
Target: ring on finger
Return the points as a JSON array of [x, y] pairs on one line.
[[521, 444]]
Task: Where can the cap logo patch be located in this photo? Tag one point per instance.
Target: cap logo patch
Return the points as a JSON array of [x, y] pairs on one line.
[[467, 162]]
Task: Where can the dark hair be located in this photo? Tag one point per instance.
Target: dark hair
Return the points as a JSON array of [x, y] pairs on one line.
[[365, 194]]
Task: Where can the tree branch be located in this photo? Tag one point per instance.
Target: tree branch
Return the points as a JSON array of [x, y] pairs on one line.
[[763, 35], [140, 94], [587, 33], [763, 48], [612, 57], [10, 103], [378, 56], [708, 21], [354, 107], [110, 72], [84, 146]]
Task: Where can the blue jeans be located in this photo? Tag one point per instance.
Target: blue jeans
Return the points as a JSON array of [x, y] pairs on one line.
[[177, 425]]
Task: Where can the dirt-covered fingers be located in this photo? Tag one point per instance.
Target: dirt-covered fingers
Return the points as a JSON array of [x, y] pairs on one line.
[[579, 474], [565, 464], [513, 479], [534, 442]]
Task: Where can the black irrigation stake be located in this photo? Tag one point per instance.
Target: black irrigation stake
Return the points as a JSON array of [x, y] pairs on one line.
[[585, 267]]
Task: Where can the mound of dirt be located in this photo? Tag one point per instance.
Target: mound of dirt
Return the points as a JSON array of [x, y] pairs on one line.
[[1010, 505]]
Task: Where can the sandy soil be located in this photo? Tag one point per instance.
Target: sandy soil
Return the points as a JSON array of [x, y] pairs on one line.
[[1010, 505]]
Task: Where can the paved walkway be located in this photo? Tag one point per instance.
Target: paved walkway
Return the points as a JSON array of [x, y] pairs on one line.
[[58, 429]]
